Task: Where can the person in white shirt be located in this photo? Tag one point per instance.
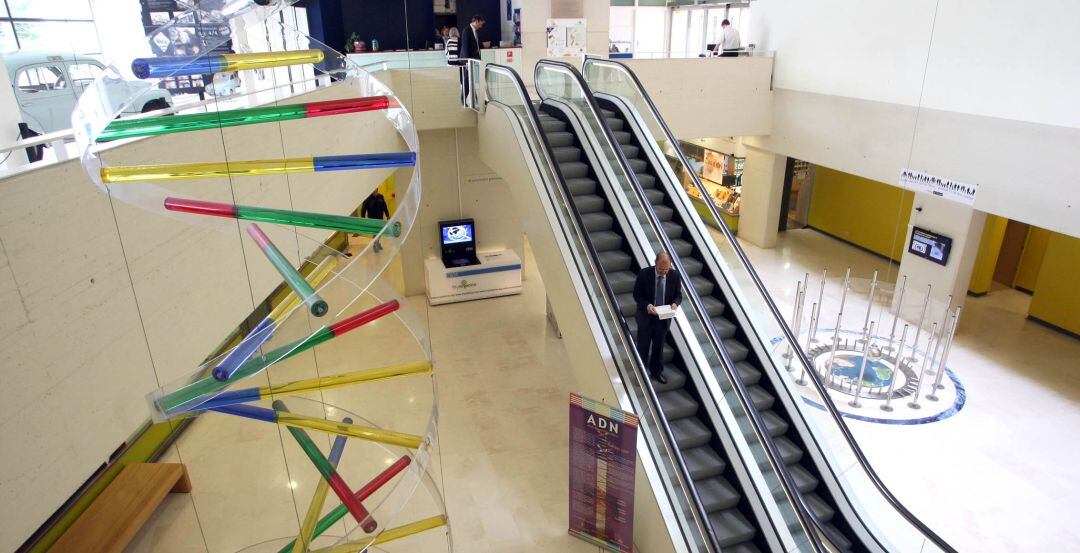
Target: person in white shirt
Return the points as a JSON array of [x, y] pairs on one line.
[[730, 42]]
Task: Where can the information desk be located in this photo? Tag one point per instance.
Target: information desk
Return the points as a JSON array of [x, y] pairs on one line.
[[498, 274]]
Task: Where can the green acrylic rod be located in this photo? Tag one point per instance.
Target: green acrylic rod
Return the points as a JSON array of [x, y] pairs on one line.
[[340, 223]]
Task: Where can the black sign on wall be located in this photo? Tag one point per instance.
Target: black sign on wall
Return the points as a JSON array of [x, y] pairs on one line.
[[929, 245], [191, 36]]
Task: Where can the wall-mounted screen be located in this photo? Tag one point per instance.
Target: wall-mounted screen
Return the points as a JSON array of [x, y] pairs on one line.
[[457, 234], [930, 245]]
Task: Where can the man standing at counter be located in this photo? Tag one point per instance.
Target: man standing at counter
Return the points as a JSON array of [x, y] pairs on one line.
[[469, 49], [730, 41]]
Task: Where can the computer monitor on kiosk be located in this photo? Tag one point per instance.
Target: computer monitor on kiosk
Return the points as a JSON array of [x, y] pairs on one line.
[[458, 240]]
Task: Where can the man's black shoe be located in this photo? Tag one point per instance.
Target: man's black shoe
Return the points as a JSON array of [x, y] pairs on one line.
[[661, 378]]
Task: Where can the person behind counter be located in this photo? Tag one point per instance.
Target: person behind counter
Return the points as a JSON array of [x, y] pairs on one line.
[[469, 49], [453, 50]]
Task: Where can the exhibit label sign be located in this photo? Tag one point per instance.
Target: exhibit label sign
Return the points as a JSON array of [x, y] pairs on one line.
[[565, 38], [939, 186], [603, 457]]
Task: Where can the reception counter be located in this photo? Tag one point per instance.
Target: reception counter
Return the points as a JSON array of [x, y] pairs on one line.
[[404, 59], [498, 274]]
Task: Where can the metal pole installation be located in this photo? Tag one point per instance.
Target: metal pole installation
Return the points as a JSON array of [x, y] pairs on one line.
[[870, 307], [918, 327], [794, 318], [862, 367], [944, 358], [914, 404], [827, 371], [899, 362], [802, 376], [944, 319], [896, 314]]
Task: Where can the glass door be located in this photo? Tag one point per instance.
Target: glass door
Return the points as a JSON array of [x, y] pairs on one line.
[[680, 20]]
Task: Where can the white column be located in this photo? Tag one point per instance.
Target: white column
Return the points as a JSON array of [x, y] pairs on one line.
[[762, 197], [957, 221], [10, 117]]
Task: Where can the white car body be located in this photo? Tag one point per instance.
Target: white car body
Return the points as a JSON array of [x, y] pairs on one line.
[[47, 85]]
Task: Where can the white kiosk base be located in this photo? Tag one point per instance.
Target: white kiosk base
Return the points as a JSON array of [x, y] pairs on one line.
[[498, 274]]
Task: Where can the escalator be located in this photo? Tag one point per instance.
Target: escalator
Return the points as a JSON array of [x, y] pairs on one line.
[[847, 505], [711, 470], [706, 280]]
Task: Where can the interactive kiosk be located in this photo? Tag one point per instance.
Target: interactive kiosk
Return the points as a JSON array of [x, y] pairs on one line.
[[462, 274]]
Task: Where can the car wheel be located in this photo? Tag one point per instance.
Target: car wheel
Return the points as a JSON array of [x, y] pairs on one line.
[[154, 105]]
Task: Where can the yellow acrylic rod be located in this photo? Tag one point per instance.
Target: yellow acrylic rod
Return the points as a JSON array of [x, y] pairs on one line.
[[240, 62], [314, 278], [356, 377], [217, 169], [351, 430], [176, 66], [318, 499], [390, 534]]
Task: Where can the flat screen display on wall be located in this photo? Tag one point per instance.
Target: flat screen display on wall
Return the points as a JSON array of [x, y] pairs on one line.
[[930, 245]]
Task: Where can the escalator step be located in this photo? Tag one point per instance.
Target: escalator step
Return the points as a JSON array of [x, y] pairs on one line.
[[837, 537], [822, 511], [683, 248], [622, 281], [693, 266], [677, 404], [574, 170], [589, 203], [731, 527], [581, 185], [615, 260], [724, 327], [656, 197], [713, 306], [622, 137], [647, 182], [703, 462], [638, 165], [774, 424], [689, 433], [747, 547], [674, 230], [627, 305], [735, 349], [804, 481], [631, 151], [789, 452], [563, 154], [663, 212], [607, 113], [606, 240], [551, 124], [675, 379], [669, 354], [762, 399], [716, 493], [615, 124], [703, 285], [560, 138], [597, 221], [749, 373]]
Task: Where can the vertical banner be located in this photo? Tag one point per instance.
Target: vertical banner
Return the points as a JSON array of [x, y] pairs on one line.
[[603, 458]]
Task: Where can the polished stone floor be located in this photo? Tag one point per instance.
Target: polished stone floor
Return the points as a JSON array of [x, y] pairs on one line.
[[999, 476]]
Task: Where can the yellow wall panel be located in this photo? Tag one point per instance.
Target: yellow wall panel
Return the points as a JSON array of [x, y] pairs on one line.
[[986, 260], [867, 213], [1027, 274], [1057, 297]]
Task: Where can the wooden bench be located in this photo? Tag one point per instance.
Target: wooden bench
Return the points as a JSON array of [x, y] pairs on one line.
[[113, 519]]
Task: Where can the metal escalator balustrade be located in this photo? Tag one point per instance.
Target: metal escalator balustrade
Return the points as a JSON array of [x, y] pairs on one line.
[[504, 86], [877, 510]]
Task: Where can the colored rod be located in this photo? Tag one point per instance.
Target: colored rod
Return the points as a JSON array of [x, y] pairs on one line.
[[316, 164], [175, 66], [329, 473], [246, 395], [387, 535], [318, 499], [151, 126], [174, 402], [341, 223], [242, 352], [293, 278], [293, 420], [315, 277], [363, 493]]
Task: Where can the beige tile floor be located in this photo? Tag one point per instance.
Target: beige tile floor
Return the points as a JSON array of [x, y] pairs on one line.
[[999, 476]]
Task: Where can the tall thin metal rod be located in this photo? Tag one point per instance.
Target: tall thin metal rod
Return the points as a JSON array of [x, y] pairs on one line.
[[802, 376], [827, 371], [847, 284], [862, 366], [794, 317], [918, 327], [899, 308], [944, 319], [914, 403], [944, 357], [797, 323], [870, 306], [899, 362]]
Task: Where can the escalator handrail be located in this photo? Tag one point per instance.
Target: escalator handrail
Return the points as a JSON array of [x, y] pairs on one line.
[[802, 508], [594, 262], [788, 333]]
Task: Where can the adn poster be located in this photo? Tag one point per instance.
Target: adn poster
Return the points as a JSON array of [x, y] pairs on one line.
[[603, 458], [565, 37], [939, 186]]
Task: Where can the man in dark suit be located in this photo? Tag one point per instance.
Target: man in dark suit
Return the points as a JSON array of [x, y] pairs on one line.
[[469, 48], [657, 285]]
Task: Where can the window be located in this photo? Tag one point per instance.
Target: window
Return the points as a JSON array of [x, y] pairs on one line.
[[66, 25], [41, 78], [82, 74]]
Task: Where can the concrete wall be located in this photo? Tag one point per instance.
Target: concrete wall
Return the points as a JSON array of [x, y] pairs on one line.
[[103, 303]]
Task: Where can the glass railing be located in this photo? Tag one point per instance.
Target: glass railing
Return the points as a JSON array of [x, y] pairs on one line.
[[891, 524], [559, 81], [505, 90]]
